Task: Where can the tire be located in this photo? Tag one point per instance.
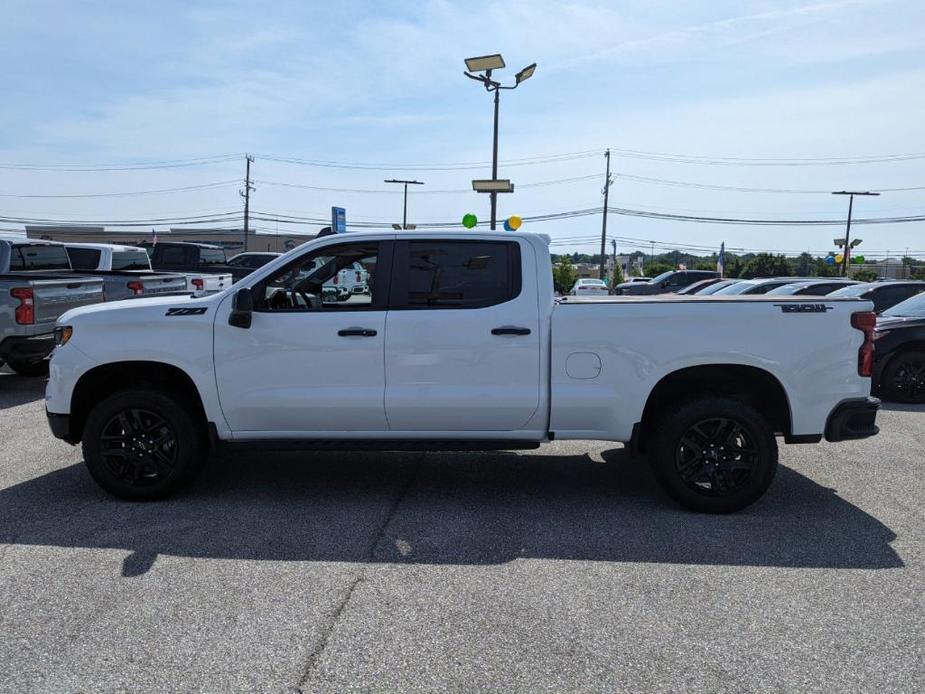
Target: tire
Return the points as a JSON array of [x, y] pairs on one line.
[[143, 445], [714, 455], [30, 368], [903, 379]]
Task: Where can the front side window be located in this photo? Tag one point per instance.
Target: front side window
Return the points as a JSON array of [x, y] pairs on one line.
[[458, 274], [328, 279]]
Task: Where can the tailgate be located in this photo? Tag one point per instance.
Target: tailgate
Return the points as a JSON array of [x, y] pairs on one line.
[[54, 297], [155, 285]]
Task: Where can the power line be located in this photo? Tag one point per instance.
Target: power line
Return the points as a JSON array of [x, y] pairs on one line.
[[136, 166], [765, 161], [183, 189]]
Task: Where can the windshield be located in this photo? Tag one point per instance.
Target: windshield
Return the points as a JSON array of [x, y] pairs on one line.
[[713, 288], [736, 288], [590, 281], [910, 308], [38, 257], [211, 256], [663, 276], [130, 260], [853, 290], [789, 289]]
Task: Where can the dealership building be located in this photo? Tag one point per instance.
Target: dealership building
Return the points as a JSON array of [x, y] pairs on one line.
[[232, 240]]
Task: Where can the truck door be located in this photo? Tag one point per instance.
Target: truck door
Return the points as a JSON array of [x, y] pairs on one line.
[[308, 363], [462, 337]]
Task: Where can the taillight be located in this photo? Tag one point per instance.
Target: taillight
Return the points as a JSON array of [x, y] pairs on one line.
[[138, 288], [865, 322], [198, 283], [25, 312]]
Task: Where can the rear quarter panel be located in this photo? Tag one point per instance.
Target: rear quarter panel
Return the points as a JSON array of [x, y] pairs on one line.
[[640, 341]]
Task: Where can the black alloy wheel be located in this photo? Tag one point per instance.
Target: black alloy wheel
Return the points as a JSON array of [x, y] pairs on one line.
[[139, 447], [904, 378], [716, 456]]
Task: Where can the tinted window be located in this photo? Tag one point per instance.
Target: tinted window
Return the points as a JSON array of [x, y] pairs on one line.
[[130, 260], [322, 280], [885, 297], [84, 258], [461, 274], [910, 307], [38, 257], [211, 256], [714, 288], [855, 290], [174, 256]]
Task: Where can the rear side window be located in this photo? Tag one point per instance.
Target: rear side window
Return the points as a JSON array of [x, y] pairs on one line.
[[84, 258], [211, 256], [38, 257], [128, 260], [457, 274]]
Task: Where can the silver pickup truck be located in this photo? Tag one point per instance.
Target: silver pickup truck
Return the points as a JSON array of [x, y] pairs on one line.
[[126, 271], [36, 286]]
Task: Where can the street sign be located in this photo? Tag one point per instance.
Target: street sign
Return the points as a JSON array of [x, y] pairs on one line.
[[339, 220]]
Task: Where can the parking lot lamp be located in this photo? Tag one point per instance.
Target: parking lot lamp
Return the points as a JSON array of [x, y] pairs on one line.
[[847, 252], [404, 215]]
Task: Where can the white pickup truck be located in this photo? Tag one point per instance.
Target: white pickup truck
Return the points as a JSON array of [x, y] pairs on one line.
[[458, 345]]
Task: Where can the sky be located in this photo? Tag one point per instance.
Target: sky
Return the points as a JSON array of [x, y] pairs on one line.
[[378, 89]]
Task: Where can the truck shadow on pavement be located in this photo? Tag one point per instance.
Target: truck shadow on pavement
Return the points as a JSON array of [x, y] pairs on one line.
[[18, 390], [440, 508]]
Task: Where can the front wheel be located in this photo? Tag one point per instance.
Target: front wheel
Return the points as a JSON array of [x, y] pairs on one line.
[[903, 379], [714, 455], [142, 445]]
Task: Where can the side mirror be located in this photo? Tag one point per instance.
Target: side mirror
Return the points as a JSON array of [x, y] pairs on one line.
[[242, 308]]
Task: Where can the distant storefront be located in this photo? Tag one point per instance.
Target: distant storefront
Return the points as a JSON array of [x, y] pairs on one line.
[[232, 240]]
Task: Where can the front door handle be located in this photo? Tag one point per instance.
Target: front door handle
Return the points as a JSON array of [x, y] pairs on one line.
[[357, 332], [510, 330]]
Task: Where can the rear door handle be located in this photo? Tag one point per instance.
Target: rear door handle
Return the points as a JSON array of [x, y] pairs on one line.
[[510, 330], [357, 332]]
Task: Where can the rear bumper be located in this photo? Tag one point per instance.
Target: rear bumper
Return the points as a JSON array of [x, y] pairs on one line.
[[60, 425], [27, 348], [853, 419]]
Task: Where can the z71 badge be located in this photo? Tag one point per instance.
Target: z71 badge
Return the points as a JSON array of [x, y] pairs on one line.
[[804, 308], [186, 311]]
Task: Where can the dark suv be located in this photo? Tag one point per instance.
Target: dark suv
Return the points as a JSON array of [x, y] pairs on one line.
[[671, 281], [884, 294]]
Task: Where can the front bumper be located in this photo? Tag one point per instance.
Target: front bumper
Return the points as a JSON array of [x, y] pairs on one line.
[[853, 419], [60, 425], [27, 348]]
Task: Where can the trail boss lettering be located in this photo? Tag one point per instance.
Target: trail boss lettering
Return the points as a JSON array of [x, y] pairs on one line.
[[804, 308]]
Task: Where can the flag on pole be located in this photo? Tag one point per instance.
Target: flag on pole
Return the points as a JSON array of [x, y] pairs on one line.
[[721, 260], [154, 236]]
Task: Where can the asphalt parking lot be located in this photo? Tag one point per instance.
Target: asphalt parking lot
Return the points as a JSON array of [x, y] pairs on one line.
[[563, 569]]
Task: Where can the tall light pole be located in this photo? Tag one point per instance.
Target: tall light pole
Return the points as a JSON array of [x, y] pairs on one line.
[[404, 214], [850, 194], [486, 64], [607, 181]]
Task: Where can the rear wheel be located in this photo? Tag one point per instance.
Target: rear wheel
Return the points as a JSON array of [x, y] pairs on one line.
[[903, 379], [714, 455], [142, 445], [30, 368]]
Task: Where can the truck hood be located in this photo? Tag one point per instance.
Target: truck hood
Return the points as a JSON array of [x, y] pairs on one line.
[[133, 309]]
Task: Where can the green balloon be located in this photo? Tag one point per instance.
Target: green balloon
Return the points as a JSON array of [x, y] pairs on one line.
[[469, 220], [859, 259]]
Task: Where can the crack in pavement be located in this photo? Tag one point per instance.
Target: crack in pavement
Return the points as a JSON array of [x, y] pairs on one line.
[[315, 655]]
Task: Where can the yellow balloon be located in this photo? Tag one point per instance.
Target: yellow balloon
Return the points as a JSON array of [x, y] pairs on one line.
[[839, 258], [514, 221]]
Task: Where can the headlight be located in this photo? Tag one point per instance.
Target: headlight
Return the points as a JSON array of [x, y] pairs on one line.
[[63, 334]]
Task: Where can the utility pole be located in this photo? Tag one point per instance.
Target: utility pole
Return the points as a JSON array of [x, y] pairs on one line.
[[606, 191], [246, 194], [847, 253], [404, 216]]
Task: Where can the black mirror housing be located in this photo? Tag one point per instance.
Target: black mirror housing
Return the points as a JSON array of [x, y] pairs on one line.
[[242, 308]]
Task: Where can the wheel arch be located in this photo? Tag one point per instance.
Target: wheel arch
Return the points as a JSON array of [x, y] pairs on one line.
[[102, 381], [755, 386]]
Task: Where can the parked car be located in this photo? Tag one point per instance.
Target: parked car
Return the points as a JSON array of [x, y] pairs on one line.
[[459, 345], [36, 286], [671, 281], [700, 285], [818, 287], [713, 288], [252, 259], [899, 358], [587, 286], [761, 285], [204, 265], [885, 295], [126, 271]]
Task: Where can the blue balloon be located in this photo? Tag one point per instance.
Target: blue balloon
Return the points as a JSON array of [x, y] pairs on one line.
[[830, 260], [507, 226]]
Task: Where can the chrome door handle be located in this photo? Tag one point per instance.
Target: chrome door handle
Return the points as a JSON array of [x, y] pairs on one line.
[[357, 332], [510, 330]]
